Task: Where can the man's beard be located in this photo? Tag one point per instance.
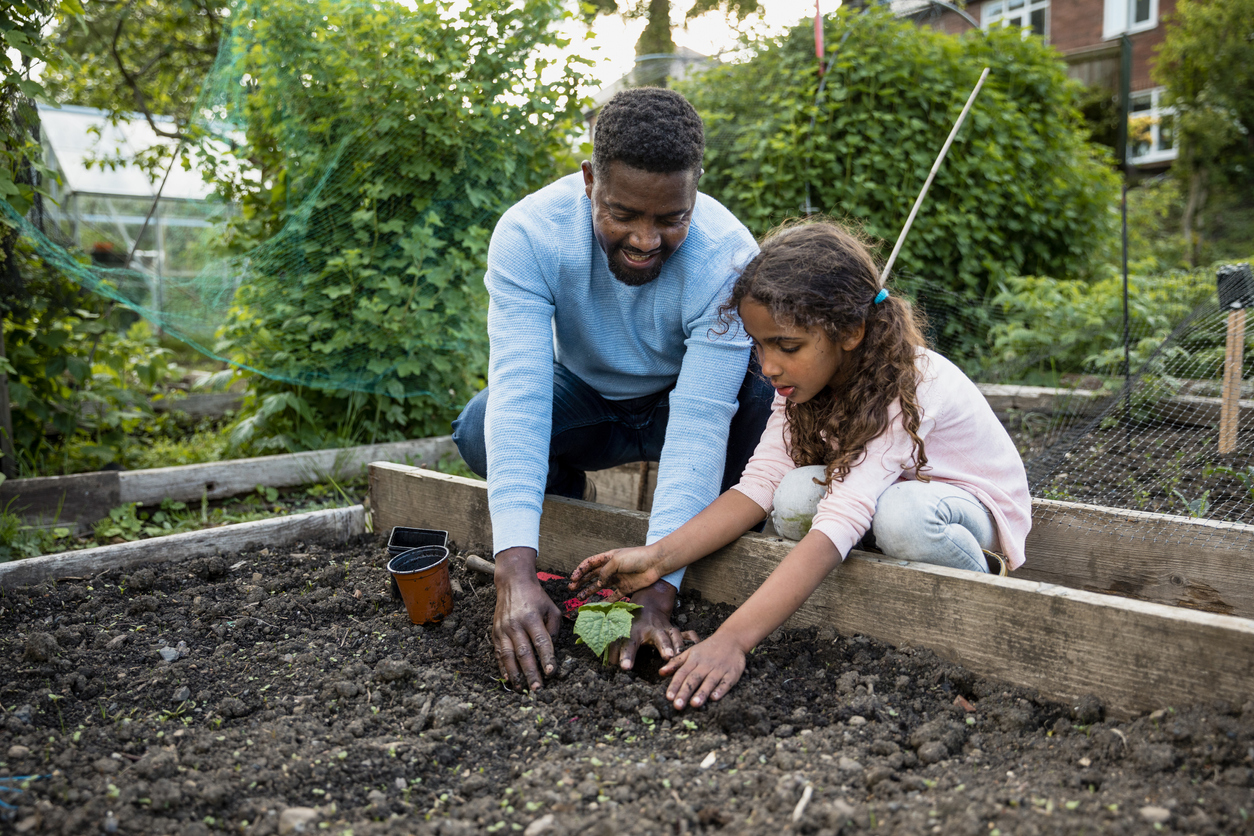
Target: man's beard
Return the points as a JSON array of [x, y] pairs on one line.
[[634, 278]]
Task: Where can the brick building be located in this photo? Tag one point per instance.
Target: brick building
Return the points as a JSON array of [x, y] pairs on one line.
[[1087, 33]]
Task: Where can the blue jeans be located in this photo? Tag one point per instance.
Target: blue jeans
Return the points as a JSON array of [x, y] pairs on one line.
[[593, 433], [927, 522]]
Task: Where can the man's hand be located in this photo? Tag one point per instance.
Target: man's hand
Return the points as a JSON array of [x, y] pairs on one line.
[[706, 671], [623, 570], [525, 621], [652, 625]]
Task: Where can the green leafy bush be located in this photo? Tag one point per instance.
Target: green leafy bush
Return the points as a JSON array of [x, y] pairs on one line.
[[80, 372], [1066, 326], [381, 145], [1021, 192]]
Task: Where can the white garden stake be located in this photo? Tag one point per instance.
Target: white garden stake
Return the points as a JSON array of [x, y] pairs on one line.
[[931, 175]]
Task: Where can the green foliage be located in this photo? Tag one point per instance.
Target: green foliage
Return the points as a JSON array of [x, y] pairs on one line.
[[1021, 192], [23, 46], [381, 145], [148, 56], [79, 374], [18, 540], [1207, 64], [1063, 326], [600, 625]]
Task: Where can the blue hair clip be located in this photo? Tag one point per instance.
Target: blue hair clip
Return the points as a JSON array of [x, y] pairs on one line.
[[882, 295]]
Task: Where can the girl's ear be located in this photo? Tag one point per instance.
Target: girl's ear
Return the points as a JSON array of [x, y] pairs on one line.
[[854, 338]]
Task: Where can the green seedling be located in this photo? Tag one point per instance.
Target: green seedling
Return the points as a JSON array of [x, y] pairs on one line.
[[600, 625]]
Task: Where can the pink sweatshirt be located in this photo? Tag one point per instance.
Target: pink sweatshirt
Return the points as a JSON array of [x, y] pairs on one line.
[[965, 444]]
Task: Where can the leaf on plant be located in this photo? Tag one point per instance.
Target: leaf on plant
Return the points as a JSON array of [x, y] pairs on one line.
[[600, 625]]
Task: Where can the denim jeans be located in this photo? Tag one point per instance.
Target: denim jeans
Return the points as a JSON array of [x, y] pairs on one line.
[[927, 522], [593, 433]]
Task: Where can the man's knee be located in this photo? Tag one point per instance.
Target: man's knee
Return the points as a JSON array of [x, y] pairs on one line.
[[468, 434]]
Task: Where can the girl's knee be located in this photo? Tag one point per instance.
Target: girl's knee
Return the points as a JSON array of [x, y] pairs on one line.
[[796, 501]]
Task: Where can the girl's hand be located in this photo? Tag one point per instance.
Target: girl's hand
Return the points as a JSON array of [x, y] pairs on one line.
[[623, 570], [707, 670]]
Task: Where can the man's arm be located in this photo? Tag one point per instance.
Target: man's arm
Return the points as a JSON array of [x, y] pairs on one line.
[[517, 428]]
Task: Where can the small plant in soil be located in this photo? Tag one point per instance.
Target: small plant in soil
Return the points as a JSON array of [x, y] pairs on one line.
[[600, 625]]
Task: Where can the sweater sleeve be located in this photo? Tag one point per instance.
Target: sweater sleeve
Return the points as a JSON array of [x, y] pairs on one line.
[[701, 408], [770, 462], [520, 385]]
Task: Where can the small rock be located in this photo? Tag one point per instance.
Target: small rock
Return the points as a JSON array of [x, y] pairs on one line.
[[827, 633], [400, 784], [933, 752], [1087, 710], [183, 649], [183, 694], [449, 712], [107, 766], [169, 654], [40, 647], [297, 820], [541, 825], [24, 713], [650, 712], [392, 670], [1155, 815], [26, 825], [117, 641], [784, 731], [856, 721], [17, 751], [376, 798], [110, 823], [847, 764], [877, 774]]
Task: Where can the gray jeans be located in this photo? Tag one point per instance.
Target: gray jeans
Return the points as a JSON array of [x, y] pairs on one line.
[[927, 522]]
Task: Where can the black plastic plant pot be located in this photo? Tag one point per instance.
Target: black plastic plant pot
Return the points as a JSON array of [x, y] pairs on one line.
[[403, 539], [422, 577]]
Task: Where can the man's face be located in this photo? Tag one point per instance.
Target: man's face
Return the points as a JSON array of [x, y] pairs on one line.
[[639, 217]]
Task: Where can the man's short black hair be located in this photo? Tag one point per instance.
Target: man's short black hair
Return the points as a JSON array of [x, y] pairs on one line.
[[649, 128]]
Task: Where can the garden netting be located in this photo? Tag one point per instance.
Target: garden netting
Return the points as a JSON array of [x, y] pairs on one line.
[[356, 198]]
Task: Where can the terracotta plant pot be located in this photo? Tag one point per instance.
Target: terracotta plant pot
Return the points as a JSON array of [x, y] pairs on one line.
[[422, 576], [402, 539]]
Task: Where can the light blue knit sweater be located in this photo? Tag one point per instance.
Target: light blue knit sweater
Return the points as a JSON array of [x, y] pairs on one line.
[[553, 296]]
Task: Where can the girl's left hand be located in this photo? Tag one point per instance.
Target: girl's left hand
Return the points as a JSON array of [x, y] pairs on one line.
[[708, 670]]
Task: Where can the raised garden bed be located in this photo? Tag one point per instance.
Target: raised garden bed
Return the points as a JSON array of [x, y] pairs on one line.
[[296, 690]]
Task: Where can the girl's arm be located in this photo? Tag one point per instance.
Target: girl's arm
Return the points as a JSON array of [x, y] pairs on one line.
[[628, 570], [711, 668]]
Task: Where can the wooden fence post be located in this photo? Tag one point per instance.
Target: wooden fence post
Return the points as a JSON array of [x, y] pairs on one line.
[[1236, 292]]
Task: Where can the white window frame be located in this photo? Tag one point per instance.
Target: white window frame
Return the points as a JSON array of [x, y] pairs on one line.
[[1155, 114], [998, 13], [1117, 18]]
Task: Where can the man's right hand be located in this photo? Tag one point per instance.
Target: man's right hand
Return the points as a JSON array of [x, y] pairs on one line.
[[525, 622]]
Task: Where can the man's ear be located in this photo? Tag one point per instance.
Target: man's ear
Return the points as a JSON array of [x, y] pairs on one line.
[[588, 179], [854, 338]]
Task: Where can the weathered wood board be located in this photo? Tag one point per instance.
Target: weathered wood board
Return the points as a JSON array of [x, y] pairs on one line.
[[1137, 656], [83, 498], [332, 525], [1199, 564]]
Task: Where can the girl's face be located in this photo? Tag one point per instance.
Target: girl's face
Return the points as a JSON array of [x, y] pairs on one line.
[[800, 362]]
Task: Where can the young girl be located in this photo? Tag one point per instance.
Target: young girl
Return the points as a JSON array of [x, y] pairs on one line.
[[870, 431]]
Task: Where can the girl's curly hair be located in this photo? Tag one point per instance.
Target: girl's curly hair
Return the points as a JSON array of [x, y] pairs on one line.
[[817, 274]]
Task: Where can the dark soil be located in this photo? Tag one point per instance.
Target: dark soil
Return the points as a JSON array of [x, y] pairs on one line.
[[296, 686]]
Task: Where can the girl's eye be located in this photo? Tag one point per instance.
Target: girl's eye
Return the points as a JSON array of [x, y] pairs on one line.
[[790, 349]]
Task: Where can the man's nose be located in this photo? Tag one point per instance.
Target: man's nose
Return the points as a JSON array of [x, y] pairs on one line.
[[644, 237]]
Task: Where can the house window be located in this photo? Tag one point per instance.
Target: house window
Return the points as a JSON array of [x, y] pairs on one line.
[[1130, 16], [1028, 15], [1151, 128]]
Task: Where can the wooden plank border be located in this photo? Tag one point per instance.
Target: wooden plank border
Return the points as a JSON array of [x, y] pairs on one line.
[[1199, 564], [332, 525], [1137, 656], [86, 497]]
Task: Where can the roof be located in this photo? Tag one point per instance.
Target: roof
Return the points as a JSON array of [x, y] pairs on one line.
[[70, 133]]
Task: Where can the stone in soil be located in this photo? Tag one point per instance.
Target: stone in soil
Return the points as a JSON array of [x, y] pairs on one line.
[[301, 696]]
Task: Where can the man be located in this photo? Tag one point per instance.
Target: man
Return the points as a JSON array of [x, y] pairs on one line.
[[606, 349]]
